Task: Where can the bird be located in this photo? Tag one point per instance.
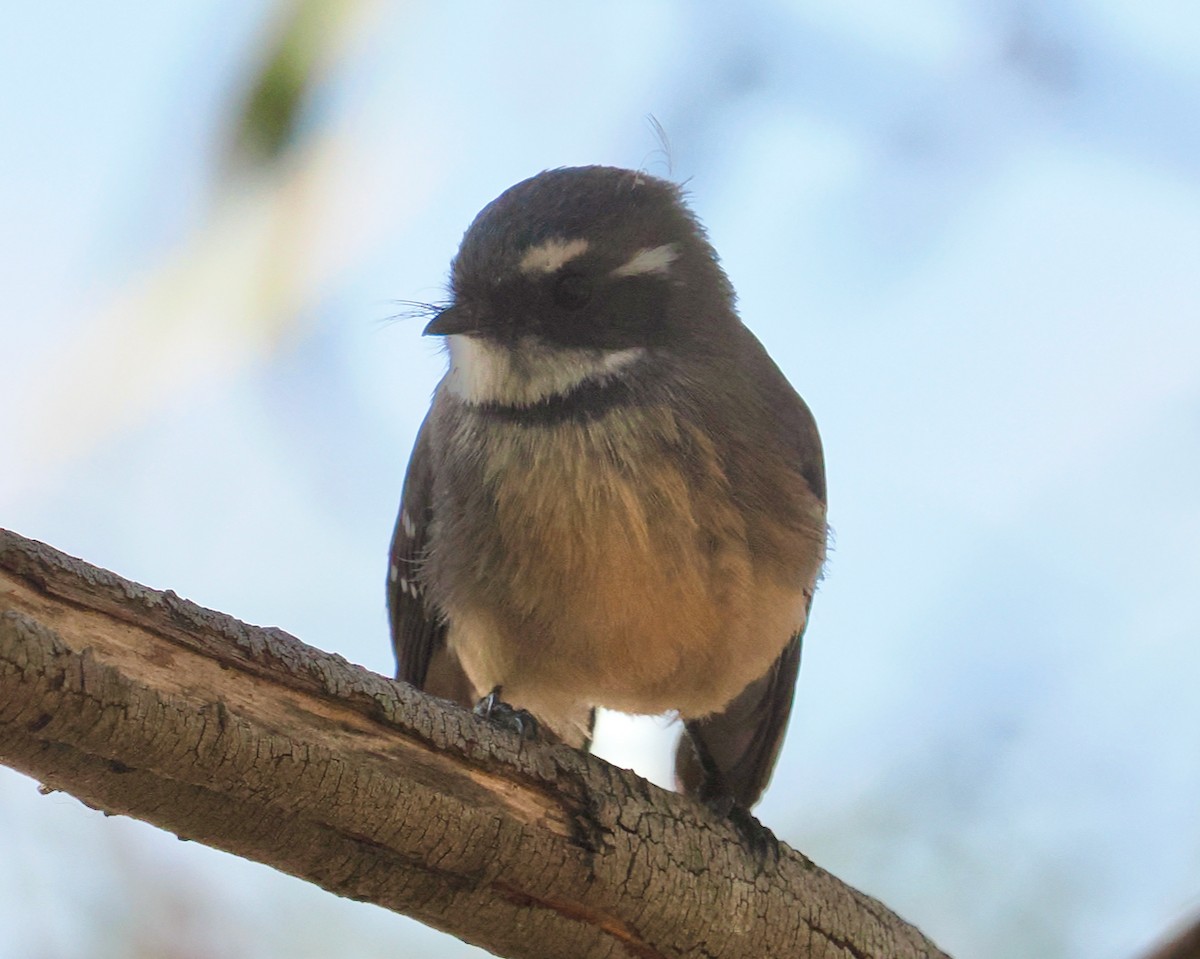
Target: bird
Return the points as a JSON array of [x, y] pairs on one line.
[[616, 499]]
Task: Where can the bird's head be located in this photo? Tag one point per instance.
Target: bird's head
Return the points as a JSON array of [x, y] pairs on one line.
[[586, 258]]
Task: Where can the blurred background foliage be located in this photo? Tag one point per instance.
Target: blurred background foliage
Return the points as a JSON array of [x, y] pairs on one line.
[[968, 230]]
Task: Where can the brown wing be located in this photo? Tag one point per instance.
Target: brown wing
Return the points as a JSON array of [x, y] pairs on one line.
[[729, 756], [418, 630]]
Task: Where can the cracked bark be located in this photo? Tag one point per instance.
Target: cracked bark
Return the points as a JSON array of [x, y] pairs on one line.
[[143, 704]]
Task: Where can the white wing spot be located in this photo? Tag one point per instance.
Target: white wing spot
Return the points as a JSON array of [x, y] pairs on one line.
[[551, 255], [406, 524], [394, 572], [653, 259]]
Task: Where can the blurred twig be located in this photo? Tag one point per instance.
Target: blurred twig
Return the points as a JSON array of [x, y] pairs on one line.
[[290, 215], [306, 35]]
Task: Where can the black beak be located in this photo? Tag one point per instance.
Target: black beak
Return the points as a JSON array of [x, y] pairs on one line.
[[451, 320]]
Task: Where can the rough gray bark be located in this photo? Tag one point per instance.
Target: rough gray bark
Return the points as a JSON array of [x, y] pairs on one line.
[[143, 704]]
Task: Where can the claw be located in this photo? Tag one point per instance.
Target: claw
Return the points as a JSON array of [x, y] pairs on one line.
[[755, 836], [496, 711]]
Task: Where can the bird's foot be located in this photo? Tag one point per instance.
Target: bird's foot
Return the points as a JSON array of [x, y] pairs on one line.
[[756, 837], [499, 713]]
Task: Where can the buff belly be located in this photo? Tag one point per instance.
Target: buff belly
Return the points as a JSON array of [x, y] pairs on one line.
[[613, 570]]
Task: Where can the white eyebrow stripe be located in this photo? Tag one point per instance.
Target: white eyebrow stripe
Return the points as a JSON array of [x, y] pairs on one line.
[[551, 255], [653, 259]]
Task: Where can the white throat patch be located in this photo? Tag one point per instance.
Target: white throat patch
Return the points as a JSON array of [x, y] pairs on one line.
[[482, 372]]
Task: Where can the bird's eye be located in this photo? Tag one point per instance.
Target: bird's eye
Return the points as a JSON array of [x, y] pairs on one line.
[[572, 291]]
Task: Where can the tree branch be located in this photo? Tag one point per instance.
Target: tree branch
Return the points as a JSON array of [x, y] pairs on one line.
[[143, 704]]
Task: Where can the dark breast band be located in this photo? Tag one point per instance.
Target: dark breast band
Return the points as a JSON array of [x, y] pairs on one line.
[[590, 400]]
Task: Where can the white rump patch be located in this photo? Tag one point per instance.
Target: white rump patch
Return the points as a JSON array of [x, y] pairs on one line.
[[551, 255], [483, 372], [653, 259]]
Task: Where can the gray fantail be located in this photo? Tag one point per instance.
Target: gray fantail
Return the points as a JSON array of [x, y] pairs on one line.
[[616, 499]]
